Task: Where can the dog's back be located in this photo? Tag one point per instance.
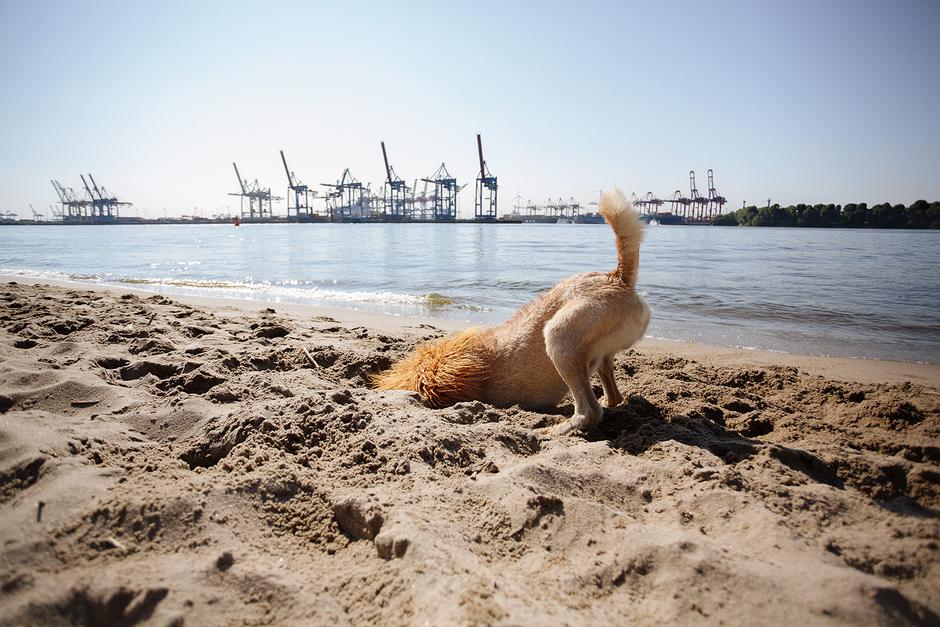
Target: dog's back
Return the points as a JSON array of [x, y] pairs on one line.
[[564, 334]]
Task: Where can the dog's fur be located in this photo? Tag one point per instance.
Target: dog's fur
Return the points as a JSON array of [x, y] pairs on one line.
[[553, 344]]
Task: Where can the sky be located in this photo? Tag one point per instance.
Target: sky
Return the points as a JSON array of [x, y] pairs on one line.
[[799, 101]]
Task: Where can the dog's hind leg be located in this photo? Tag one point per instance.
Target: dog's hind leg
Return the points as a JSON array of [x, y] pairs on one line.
[[573, 365], [587, 411], [612, 396]]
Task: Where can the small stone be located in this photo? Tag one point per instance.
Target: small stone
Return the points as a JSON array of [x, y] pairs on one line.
[[224, 561], [341, 396]]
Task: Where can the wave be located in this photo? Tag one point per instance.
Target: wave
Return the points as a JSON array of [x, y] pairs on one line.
[[286, 291], [289, 289]]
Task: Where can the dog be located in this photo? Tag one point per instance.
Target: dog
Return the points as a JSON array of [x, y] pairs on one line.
[[552, 345]]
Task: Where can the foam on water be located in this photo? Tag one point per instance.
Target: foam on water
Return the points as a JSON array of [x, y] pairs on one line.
[[279, 291]]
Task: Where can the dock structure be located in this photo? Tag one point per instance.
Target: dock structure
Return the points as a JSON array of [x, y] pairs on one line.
[[105, 207], [679, 204], [259, 199], [559, 211], [649, 204], [484, 199], [395, 201], [692, 209], [73, 207], [98, 207], [300, 208], [373, 204], [574, 207], [444, 198], [421, 203], [344, 201]]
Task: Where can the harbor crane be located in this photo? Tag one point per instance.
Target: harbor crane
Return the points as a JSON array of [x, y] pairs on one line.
[[301, 206], [95, 203], [575, 207], [344, 202], [444, 199], [395, 192], [651, 204], [257, 197], [484, 199], [716, 202], [108, 206], [97, 208], [699, 202], [679, 204], [73, 207]]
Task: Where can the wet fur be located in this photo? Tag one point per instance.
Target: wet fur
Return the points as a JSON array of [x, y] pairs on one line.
[[551, 346]]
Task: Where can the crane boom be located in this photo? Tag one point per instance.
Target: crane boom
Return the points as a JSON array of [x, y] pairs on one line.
[[82, 176], [57, 189], [94, 186], [290, 179], [480, 150], [239, 177], [388, 171]]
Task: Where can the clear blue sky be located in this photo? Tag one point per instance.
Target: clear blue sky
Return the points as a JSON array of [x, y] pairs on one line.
[[823, 101]]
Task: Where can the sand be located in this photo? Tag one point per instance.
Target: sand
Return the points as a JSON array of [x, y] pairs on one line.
[[181, 461]]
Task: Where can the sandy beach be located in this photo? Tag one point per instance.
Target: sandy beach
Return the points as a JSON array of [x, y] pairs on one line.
[[175, 461]]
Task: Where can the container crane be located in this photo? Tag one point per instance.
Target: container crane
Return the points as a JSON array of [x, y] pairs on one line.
[[395, 192], [484, 198], [679, 204], [716, 202], [444, 200], [344, 202], [699, 202], [257, 197], [301, 193]]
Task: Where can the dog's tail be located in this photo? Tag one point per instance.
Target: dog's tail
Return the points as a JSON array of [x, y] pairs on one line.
[[442, 373], [619, 213]]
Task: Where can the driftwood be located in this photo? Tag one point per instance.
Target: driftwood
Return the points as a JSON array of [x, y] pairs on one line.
[[309, 356]]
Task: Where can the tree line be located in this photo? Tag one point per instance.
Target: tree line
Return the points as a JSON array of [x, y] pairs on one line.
[[919, 215]]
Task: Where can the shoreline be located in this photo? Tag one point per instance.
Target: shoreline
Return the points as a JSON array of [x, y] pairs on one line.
[[856, 369]]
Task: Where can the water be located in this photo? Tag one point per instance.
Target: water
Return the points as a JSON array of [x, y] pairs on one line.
[[852, 293]]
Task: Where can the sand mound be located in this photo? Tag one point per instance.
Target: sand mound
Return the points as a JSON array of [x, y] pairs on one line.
[[164, 463]]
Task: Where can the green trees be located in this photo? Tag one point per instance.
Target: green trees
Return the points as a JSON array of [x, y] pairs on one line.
[[725, 219], [919, 215]]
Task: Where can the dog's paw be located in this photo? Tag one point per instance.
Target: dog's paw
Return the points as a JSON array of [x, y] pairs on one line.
[[578, 422], [563, 429], [613, 401]]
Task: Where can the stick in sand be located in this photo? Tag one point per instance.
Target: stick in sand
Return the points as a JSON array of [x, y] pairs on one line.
[[309, 356]]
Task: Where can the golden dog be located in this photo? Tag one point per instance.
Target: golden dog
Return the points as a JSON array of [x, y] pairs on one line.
[[552, 345]]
